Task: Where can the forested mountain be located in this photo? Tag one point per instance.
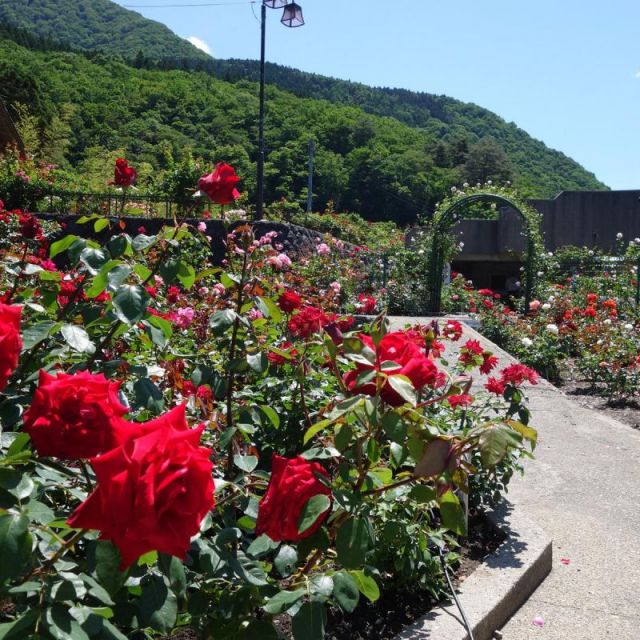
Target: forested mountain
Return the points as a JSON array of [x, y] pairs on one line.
[[98, 25], [385, 153]]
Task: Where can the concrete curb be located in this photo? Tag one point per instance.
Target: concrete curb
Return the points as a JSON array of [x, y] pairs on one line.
[[497, 588]]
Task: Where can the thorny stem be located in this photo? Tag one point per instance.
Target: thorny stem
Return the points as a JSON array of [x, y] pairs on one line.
[[14, 288], [232, 353], [57, 555]]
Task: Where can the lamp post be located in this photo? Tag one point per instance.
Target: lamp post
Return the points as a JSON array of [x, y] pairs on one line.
[[291, 17]]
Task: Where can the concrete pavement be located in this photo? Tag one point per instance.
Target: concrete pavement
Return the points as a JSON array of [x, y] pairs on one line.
[[582, 489]]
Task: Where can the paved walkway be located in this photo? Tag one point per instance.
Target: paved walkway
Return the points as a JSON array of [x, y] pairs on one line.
[[583, 490]]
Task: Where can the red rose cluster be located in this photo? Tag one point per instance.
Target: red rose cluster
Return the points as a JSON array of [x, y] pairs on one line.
[[294, 481], [10, 341], [472, 354], [307, 321], [220, 184], [399, 348], [154, 480], [513, 375], [124, 175]]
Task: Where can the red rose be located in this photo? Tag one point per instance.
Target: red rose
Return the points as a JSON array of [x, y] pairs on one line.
[[124, 175], [277, 358], [10, 341], [220, 184], [489, 362], [75, 416], [516, 374], [152, 494], [294, 481], [495, 386], [367, 304], [29, 226], [289, 301], [462, 400], [452, 330], [411, 362], [307, 321]]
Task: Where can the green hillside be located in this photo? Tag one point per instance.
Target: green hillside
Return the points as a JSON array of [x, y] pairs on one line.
[[384, 153], [98, 25]]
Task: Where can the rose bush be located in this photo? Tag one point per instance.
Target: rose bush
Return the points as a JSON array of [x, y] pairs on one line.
[[181, 449]]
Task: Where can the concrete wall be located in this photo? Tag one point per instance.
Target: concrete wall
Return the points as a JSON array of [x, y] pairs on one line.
[[581, 218]]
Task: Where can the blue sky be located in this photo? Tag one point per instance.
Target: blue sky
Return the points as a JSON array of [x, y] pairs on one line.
[[566, 71]]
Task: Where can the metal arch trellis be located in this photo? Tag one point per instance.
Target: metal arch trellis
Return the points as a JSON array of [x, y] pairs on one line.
[[444, 220]]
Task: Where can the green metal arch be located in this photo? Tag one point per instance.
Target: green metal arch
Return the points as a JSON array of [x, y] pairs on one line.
[[444, 221]]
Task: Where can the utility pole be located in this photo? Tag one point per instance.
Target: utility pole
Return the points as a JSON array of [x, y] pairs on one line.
[[312, 148]]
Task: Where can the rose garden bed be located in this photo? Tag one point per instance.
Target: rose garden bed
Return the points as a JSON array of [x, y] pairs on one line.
[[186, 445]]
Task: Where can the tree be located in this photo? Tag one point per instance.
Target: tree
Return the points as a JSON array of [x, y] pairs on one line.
[[487, 161]]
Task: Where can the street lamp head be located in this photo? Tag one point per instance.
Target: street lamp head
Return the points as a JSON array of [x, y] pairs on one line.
[[274, 4], [292, 15]]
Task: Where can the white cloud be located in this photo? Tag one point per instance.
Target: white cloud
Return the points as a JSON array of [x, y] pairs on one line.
[[199, 44], [637, 75]]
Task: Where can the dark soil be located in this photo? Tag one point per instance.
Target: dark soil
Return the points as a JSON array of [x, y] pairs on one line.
[[585, 395]]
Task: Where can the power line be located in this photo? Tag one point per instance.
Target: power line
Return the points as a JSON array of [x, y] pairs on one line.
[[202, 4]]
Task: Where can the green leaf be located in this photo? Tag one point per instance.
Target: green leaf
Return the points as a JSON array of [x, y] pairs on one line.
[[119, 245], [186, 275], [221, 320], [403, 387], [261, 546], [130, 303], [273, 417], [422, 493], [313, 509], [173, 569], [353, 542], [316, 428], [246, 463], [345, 591], [367, 586], [453, 517], [529, 433], [107, 562], [148, 395], [157, 605], [495, 441], [142, 242], [77, 338], [117, 275], [18, 484], [96, 590], [395, 427], [285, 561], [15, 545], [21, 627], [61, 245], [269, 309], [321, 587], [101, 225], [93, 259], [283, 600], [99, 282], [60, 624], [36, 333], [309, 622], [162, 324], [249, 570]]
